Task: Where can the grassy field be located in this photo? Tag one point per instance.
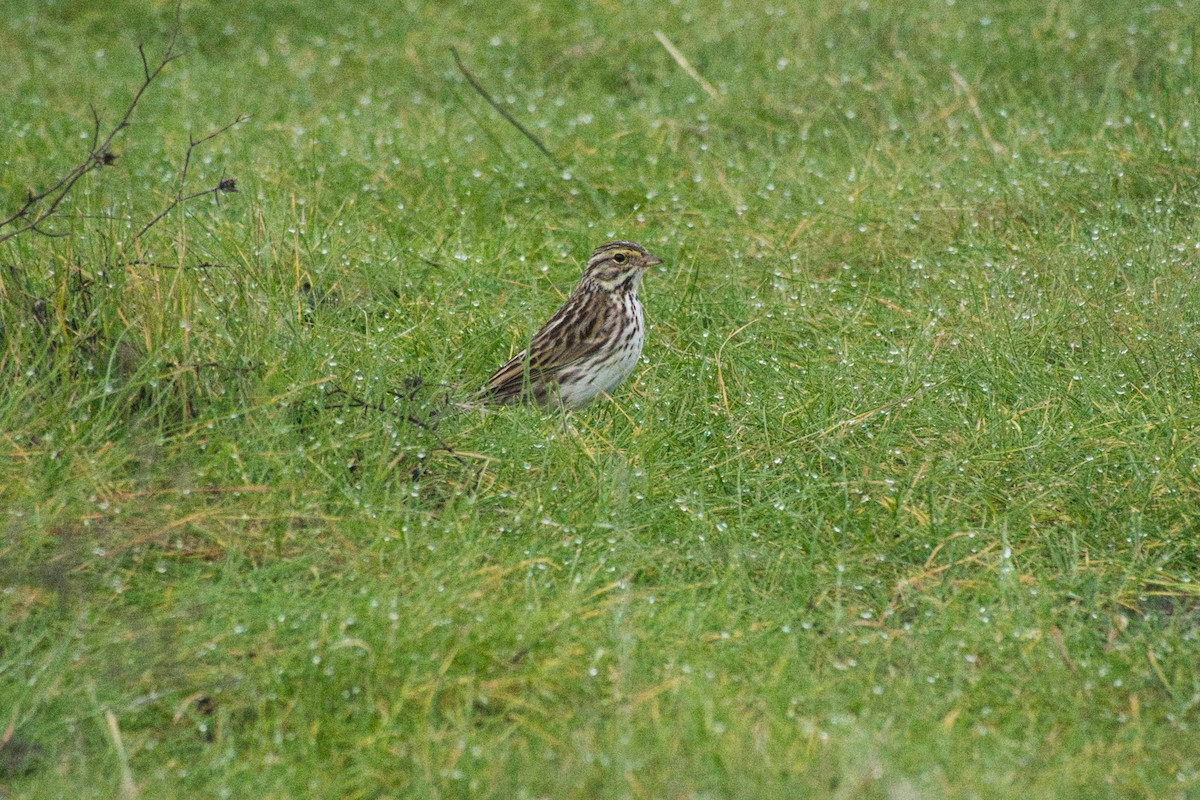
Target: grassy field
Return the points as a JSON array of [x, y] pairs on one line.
[[902, 503]]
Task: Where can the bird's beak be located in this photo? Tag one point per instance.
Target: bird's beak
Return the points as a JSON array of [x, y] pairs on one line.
[[651, 261]]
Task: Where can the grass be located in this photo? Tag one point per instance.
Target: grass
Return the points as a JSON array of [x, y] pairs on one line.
[[902, 503]]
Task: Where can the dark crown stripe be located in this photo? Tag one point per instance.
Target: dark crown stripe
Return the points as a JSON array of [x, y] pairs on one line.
[[619, 244]]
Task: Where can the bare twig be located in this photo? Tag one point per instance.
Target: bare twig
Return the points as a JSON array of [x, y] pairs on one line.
[[224, 185], [686, 65], [353, 401], [95, 124], [39, 207], [200, 265], [501, 110]]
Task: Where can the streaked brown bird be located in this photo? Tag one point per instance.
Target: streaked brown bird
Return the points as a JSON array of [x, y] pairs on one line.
[[591, 344]]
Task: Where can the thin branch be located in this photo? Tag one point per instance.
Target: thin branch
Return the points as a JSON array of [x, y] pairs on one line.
[[100, 155], [225, 185], [47, 234], [138, 262], [353, 401], [145, 66], [501, 110], [95, 123]]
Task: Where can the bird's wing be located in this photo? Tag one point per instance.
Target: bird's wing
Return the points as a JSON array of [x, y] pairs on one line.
[[567, 338]]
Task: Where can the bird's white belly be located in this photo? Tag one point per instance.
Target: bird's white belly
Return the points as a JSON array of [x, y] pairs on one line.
[[593, 378]]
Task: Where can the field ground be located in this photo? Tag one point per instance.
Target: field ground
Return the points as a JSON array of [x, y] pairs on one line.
[[903, 502]]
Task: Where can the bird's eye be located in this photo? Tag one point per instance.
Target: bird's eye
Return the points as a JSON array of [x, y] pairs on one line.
[[619, 258]]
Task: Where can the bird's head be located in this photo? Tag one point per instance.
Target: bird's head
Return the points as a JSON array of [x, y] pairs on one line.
[[619, 265]]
